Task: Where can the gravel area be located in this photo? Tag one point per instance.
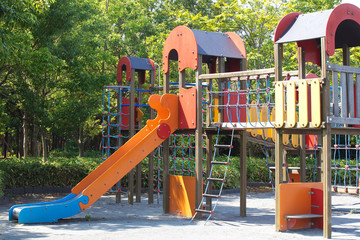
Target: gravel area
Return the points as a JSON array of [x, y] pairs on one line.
[[108, 220]]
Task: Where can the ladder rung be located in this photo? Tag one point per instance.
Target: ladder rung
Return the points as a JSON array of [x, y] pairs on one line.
[[223, 146], [211, 195], [204, 211], [217, 179], [220, 163]]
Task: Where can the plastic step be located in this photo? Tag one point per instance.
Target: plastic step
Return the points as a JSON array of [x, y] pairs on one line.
[[204, 211], [223, 146], [220, 163], [217, 179], [211, 196]]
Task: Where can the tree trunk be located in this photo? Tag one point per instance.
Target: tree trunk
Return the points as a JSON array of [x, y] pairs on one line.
[[35, 142], [44, 146], [80, 143], [25, 137]]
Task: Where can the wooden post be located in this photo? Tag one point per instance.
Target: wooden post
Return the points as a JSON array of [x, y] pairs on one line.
[[151, 156], [198, 135], [131, 133], [141, 78], [165, 150], [209, 139], [118, 193], [243, 141], [302, 75], [326, 147], [221, 69], [278, 141], [182, 79], [243, 174]]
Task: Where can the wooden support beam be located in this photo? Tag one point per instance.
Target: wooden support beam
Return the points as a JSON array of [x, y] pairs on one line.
[[243, 174], [221, 85], [165, 151], [139, 94], [151, 155], [198, 135], [278, 52], [131, 133], [182, 79], [326, 147], [302, 75], [118, 194]]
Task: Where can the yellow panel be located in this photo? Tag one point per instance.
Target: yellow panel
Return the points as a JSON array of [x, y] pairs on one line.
[[303, 104], [315, 103], [253, 117], [279, 104], [264, 119], [295, 137], [182, 195], [271, 130], [216, 109], [286, 137], [291, 104]]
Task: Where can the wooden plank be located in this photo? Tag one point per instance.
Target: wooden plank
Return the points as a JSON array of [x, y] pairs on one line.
[[264, 118], [342, 68], [182, 79], [357, 95], [165, 153], [272, 130], [303, 104], [344, 111], [326, 147], [198, 136], [151, 155], [278, 53], [221, 69], [291, 104], [243, 75], [335, 86], [131, 133], [243, 174], [254, 118], [138, 167], [279, 105], [295, 137], [350, 94], [315, 103]]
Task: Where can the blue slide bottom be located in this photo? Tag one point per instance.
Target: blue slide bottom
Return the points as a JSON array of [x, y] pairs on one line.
[[48, 211]]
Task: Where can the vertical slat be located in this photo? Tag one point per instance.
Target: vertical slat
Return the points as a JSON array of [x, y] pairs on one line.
[[335, 94], [151, 155], [291, 104], [350, 94], [279, 104], [357, 96], [303, 104], [315, 103], [344, 111], [131, 133]]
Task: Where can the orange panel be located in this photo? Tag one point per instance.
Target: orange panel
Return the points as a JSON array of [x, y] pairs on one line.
[[295, 199], [294, 177], [182, 195], [187, 108]]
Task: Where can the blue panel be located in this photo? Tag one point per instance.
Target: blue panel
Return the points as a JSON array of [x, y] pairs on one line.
[[48, 211], [140, 63], [306, 26], [216, 44]]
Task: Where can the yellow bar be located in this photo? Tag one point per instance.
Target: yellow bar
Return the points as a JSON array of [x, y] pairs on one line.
[[264, 118], [271, 130], [303, 104], [315, 103], [253, 118], [295, 137], [286, 137], [291, 104], [216, 109], [279, 105]]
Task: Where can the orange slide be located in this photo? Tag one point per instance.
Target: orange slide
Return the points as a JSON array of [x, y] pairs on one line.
[[92, 187]]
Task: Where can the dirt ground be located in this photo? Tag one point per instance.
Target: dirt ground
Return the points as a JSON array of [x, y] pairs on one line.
[[108, 220]]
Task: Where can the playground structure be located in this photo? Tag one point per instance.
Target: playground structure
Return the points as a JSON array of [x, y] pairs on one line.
[[267, 106]]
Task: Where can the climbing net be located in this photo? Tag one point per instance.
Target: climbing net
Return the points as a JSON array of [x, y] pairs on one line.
[[345, 162]]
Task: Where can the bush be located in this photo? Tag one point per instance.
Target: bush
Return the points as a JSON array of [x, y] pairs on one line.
[[2, 183]]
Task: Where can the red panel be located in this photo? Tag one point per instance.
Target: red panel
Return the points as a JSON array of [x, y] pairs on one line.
[[125, 113], [187, 108], [317, 206], [182, 40], [339, 14], [239, 43], [310, 141], [312, 51], [284, 24], [231, 114], [123, 61]]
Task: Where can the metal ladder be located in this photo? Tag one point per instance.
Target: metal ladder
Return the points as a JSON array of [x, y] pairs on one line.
[[212, 179]]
